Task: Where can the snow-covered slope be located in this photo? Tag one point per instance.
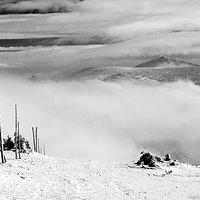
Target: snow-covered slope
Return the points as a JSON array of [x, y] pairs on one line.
[[41, 177], [88, 73]]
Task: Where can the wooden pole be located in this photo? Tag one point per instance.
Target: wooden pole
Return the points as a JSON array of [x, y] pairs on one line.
[[34, 139], [15, 135], [38, 146], [19, 142], [44, 150], [41, 150], [5, 159], [1, 146]]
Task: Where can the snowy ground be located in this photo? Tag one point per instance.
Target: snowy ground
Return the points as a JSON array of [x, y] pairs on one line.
[[41, 177]]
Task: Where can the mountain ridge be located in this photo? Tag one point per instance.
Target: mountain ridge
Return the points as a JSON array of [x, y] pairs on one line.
[[162, 69]]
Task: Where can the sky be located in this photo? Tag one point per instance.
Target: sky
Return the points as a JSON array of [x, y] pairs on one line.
[[133, 28]]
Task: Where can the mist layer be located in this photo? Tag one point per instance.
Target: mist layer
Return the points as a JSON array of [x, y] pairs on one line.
[[100, 120]]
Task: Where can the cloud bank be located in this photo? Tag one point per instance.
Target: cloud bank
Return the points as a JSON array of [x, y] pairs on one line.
[[36, 6], [97, 120], [128, 28]]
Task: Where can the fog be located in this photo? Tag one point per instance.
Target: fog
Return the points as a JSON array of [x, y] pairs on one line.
[[98, 120]]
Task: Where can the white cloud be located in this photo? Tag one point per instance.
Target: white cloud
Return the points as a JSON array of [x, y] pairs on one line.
[[100, 120], [36, 6], [151, 25]]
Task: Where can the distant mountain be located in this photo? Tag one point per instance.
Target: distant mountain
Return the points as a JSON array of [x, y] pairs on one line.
[[88, 73], [165, 61], [163, 69]]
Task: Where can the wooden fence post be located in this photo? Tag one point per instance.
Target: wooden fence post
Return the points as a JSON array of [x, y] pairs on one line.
[[41, 150], [33, 139], [1, 146], [36, 140], [19, 142], [44, 150], [15, 135], [5, 159], [38, 146]]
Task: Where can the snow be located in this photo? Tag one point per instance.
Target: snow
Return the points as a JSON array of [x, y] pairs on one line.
[[41, 177]]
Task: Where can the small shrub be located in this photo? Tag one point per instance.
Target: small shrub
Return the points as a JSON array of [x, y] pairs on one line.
[[8, 143]]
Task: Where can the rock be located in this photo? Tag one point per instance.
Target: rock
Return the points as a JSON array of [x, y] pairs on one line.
[[167, 157], [158, 159], [147, 159], [172, 164], [168, 172]]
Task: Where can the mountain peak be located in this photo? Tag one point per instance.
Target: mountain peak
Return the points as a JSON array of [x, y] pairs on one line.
[[165, 62]]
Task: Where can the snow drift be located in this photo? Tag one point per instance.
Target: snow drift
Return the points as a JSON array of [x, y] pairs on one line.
[[41, 177], [99, 120]]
